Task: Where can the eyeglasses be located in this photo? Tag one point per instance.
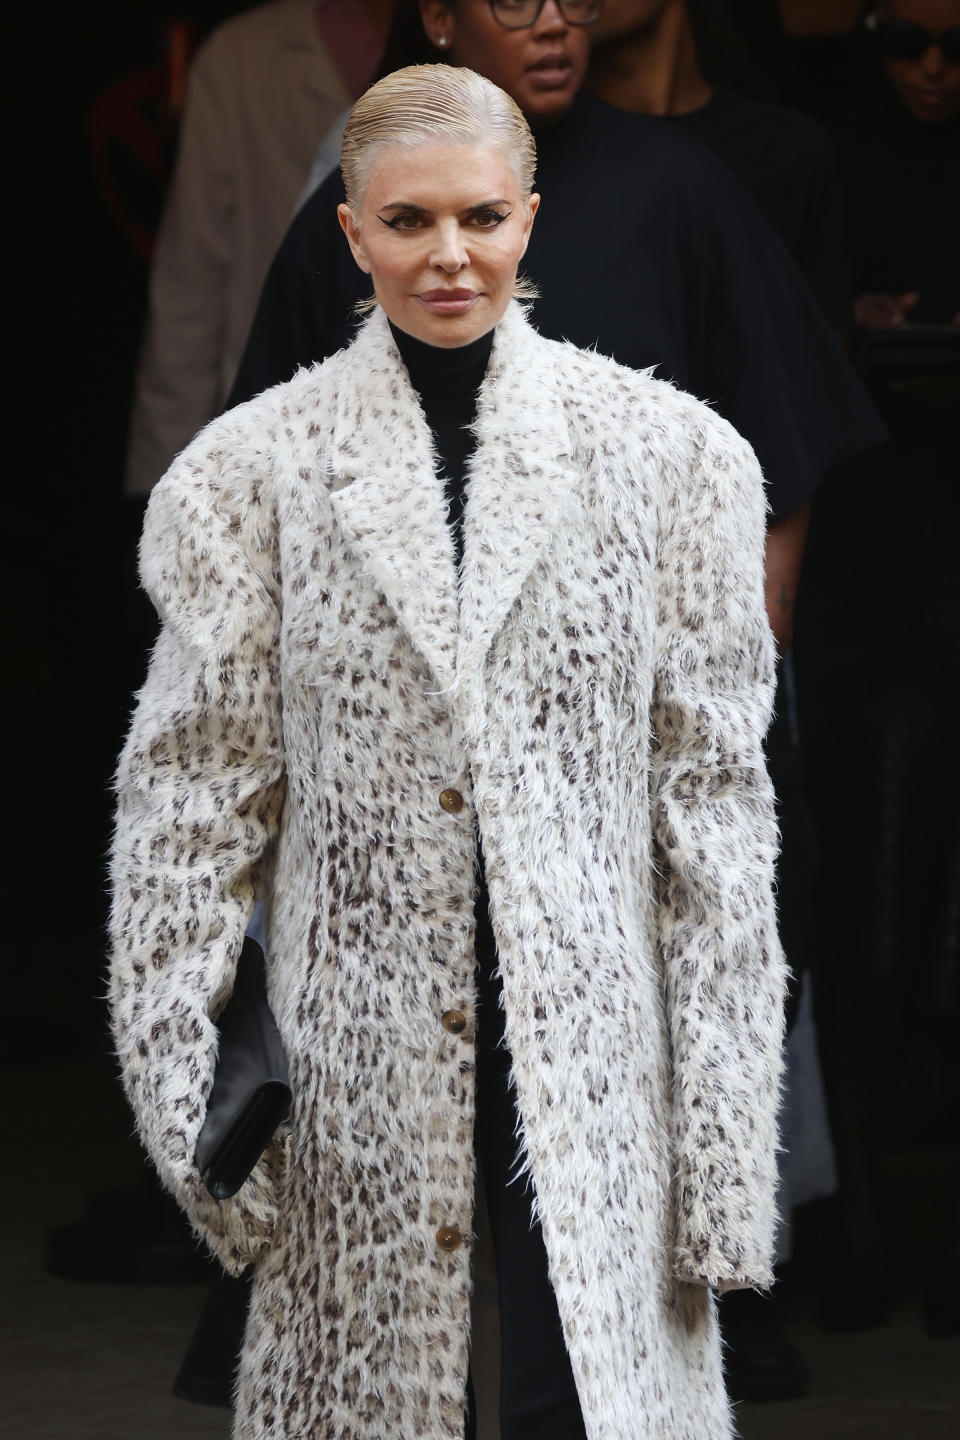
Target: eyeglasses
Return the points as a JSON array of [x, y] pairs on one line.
[[521, 14], [902, 40]]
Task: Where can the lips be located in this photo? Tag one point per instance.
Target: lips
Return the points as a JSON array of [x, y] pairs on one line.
[[551, 70], [929, 99], [444, 301], [444, 294]]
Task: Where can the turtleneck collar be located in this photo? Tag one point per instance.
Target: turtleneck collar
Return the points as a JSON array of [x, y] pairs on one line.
[[448, 383], [430, 366]]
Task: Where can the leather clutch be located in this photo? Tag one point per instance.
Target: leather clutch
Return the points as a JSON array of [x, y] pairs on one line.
[[250, 1095]]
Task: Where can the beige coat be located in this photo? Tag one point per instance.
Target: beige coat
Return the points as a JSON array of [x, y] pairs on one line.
[[262, 94], [596, 691]]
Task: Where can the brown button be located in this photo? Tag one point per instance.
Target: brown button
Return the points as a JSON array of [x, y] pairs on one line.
[[452, 801], [455, 1021], [449, 1238]]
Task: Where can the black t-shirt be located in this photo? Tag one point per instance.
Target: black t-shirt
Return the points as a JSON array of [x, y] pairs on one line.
[[786, 163], [646, 247]]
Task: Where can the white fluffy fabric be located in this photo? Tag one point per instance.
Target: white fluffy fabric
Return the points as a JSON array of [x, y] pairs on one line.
[[597, 689]]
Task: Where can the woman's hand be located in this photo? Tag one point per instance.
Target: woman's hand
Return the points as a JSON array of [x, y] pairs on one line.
[[884, 312]]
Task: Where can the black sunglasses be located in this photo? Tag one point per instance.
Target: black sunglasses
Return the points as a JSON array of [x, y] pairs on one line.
[[902, 40]]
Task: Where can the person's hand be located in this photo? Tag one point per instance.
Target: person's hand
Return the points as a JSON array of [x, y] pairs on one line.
[[884, 312]]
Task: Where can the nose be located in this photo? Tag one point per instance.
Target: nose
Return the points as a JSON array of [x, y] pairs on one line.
[[550, 21], [449, 250], [933, 61]]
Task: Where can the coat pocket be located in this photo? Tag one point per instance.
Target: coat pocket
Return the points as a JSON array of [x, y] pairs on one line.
[[238, 1230]]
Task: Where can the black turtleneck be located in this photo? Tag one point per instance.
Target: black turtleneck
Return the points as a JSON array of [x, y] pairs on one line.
[[448, 382]]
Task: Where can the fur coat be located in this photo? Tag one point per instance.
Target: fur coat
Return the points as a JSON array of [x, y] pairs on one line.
[[326, 719]]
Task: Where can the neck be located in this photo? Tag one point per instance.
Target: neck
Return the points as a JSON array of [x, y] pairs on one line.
[[450, 365], [654, 70]]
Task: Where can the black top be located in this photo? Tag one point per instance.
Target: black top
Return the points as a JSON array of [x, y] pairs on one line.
[[786, 163], [646, 247], [901, 178], [448, 382]]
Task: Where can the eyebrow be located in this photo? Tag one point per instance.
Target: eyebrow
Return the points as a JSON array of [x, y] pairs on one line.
[[422, 209]]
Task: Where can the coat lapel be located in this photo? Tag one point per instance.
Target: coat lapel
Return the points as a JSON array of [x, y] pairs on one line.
[[521, 475], [388, 497]]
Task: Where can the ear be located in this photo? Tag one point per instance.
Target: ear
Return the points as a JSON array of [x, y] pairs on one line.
[[533, 205], [439, 23], [351, 229]]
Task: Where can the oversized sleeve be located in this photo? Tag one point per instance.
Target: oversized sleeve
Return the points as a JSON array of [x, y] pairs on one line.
[[715, 840], [200, 788]]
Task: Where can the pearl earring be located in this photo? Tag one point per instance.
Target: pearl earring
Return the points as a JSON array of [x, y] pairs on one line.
[[442, 41]]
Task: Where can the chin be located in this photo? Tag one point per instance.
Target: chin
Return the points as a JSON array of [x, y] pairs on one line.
[[449, 336], [545, 106], [449, 331], [932, 114]]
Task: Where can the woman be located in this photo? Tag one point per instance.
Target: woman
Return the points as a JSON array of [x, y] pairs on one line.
[[333, 717]]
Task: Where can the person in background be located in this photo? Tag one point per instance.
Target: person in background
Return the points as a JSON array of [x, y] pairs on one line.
[[647, 56], [261, 93], [890, 825], [899, 147]]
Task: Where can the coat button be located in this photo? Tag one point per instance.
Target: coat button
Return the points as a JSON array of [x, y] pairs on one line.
[[449, 1238], [451, 801], [455, 1021]]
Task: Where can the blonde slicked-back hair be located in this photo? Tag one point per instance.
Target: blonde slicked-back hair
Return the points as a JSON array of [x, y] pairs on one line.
[[431, 104]]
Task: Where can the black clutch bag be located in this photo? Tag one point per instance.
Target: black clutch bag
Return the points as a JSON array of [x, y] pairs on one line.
[[251, 1088]]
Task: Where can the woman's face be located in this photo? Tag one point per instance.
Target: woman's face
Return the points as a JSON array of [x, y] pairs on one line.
[[541, 68], [441, 231], [929, 87]]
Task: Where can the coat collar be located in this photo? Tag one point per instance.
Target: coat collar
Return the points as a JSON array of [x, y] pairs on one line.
[[390, 502]]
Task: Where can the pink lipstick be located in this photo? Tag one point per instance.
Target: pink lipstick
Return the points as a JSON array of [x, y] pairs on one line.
[[448, 302]]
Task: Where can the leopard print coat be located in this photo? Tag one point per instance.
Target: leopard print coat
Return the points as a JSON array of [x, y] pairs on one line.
[[327, 717]]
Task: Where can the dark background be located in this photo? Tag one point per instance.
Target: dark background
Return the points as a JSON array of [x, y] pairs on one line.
[[91, 134]]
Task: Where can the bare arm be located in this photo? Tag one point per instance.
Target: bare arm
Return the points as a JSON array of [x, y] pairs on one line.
[[786, 539]]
